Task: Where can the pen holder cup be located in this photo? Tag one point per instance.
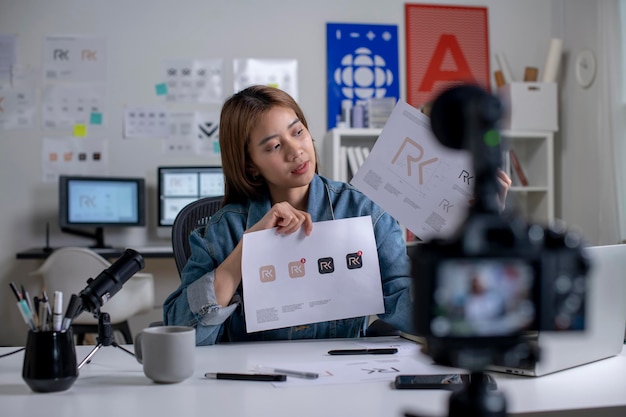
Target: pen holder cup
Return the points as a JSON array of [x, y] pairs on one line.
[[50, 361]]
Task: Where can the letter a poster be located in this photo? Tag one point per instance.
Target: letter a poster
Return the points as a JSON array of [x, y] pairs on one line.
[[445, 45]]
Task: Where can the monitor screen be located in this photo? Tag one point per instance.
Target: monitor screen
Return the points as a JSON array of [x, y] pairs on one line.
[[181, 185], [100, 202]]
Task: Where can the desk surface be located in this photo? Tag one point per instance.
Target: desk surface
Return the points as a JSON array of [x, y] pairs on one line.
[[113, 384], [146, 252]]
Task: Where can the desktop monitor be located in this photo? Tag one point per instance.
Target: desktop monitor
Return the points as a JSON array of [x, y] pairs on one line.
[[100, 202], [181, 185]]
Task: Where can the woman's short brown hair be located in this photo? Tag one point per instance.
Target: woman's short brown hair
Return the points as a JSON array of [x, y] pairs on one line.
[[240, 114]]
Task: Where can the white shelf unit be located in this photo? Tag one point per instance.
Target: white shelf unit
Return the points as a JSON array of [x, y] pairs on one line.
[[535, 151], [334, 164]]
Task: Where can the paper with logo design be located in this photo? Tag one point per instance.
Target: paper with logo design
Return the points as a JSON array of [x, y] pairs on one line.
[[426, 186], [294, 280]]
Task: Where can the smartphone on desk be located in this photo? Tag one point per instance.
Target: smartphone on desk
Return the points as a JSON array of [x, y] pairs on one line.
[[440, 381]]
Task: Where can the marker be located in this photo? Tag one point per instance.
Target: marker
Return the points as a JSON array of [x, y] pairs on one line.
[[27, 315], [381, 351], [57, 314], [289, 372], [246, 377]]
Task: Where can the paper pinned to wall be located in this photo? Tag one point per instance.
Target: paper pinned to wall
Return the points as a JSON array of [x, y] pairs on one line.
[[75, 58], [279, 73], [73, 156], [17, 109], [65, 105], [146, 122], [194, 80], [193, 133]]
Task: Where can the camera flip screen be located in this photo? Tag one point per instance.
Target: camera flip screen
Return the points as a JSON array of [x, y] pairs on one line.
[[482, 298]]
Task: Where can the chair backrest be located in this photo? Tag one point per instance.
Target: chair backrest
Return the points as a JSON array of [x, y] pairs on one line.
[[192, 216], [68, 269]]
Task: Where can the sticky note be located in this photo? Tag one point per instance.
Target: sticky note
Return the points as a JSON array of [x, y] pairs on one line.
[[95, 119], [161, 89], [80, 131]]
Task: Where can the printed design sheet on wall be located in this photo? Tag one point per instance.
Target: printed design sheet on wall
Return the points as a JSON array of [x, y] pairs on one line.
[[194, 80], [73, 156], [279, 73]]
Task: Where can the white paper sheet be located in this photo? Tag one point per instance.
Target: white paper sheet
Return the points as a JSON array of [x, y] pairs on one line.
[[424, 185], [75, 58], [292, 280], [363, 368]]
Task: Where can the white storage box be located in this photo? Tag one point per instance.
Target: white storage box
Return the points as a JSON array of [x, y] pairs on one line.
[[530, 106]]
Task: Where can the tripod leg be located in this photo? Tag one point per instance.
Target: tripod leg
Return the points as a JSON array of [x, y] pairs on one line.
[[105, 337], [88, 357], [123, 348]]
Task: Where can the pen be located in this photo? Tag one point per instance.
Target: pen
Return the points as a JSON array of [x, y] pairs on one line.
[[380, 351], [44, 313], [290, 372], [57, 314], [15, 291], [246, 377]]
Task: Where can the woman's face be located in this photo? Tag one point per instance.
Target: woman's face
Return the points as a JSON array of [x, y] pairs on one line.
[[282, 152]]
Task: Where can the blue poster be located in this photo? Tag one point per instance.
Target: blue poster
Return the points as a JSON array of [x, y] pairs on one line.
[[362, 63]]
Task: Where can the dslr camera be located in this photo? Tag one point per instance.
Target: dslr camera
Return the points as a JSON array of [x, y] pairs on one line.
[[480, 291]]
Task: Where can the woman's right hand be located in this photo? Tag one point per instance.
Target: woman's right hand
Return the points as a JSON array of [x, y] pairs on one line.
[[286, 218]]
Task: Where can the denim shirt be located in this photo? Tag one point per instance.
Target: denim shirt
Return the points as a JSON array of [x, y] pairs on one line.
[[194, 302]]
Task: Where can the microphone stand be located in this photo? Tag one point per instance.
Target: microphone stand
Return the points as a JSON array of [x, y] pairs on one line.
[[105, 337]]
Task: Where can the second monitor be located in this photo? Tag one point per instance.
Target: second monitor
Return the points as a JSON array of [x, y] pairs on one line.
[[181, 185]]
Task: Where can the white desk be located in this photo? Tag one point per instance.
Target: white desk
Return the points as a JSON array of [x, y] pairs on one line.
[[113, 385]]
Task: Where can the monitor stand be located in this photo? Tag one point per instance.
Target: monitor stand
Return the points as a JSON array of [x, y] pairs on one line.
[[97, 235]]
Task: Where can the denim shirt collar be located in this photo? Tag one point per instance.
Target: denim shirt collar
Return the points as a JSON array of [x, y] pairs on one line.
[[318, 206]]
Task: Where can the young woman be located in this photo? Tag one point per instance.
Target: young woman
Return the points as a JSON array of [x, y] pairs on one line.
[[270, 167]]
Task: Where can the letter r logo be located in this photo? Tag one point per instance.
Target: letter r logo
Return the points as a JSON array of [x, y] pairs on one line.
[[267, 273], [325, 265], [354, 260], [296, 269]]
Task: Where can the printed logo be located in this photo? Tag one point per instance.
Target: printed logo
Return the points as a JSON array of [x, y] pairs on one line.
[[89, 55], [296, 269], [326, 265], [61, 54], [466, 177], [446, 205], [411, 158], [354, 260], [267, 273]]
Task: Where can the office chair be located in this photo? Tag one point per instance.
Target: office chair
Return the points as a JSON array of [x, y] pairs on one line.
[[67, 270], [192, 216]]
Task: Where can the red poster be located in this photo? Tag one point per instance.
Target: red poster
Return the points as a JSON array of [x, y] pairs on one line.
[[445, 45]]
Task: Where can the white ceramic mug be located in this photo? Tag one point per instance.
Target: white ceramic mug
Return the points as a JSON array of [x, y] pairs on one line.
[[166, 352]]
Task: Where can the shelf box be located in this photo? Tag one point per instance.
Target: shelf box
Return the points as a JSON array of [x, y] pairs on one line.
[[530, 106]]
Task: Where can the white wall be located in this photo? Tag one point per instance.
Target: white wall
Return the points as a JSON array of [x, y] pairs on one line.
[[141, 33]]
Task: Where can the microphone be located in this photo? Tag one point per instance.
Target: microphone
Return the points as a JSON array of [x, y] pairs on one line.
[[109, 282]]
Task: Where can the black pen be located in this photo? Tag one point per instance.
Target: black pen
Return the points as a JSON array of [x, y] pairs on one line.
[[246, 377], [380, 351]]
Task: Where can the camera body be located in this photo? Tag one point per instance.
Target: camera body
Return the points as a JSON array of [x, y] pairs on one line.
[[497, 277]]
